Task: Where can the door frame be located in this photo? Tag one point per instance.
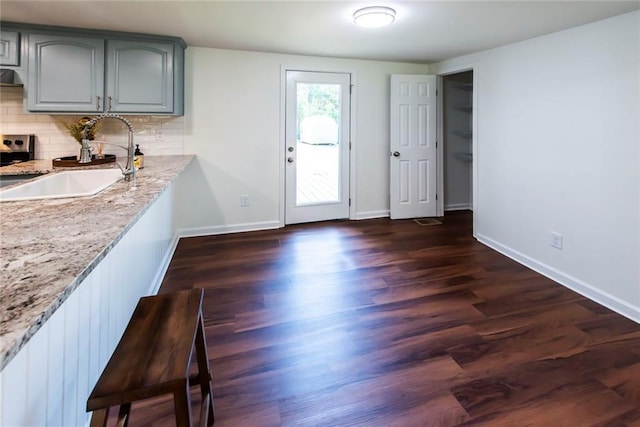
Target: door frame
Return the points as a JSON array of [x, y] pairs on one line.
[[282, 145], [474, 139]]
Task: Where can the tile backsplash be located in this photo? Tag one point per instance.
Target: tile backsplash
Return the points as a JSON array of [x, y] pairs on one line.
[[156, 135]]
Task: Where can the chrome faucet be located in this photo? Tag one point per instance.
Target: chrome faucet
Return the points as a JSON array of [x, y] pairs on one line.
[[129, 171]]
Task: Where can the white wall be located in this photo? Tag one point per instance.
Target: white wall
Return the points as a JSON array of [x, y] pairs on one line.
[[232, 123], [558, 149]]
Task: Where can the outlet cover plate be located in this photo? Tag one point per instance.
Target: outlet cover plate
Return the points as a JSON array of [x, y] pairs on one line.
[[556, 240]]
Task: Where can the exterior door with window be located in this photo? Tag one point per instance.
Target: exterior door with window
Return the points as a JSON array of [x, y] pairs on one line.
[[317, 139]]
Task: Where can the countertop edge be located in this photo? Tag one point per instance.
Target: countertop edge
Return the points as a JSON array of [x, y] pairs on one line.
[[22, 340]]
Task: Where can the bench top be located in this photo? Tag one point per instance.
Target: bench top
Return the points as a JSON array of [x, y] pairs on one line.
[[154, 353]]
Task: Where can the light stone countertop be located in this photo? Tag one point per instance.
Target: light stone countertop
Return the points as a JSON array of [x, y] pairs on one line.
[[41, 167], [32, 167], [46, 251]]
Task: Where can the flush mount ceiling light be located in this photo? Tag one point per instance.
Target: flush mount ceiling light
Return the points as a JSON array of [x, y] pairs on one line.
[[374, 16]]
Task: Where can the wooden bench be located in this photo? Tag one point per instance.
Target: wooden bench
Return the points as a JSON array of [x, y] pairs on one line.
[[153, 358]]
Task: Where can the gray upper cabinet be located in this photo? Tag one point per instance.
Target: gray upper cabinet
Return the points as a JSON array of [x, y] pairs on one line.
[[66, 74], [10, 48], [70, 73], [139, 77]]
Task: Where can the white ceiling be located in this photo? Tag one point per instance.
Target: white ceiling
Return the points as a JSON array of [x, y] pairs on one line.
[[424, 31]]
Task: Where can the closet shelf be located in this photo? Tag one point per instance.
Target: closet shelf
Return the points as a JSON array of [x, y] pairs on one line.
[[465, 157], [466, 86], [463, 133]]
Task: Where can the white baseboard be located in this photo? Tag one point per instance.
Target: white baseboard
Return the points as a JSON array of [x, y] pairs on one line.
[[458, 207], [227, 229], [372, 214], [164, 266], [584, 289]]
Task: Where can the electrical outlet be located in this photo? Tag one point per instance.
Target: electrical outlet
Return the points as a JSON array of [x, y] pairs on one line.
[[556, 240], [244, 200]]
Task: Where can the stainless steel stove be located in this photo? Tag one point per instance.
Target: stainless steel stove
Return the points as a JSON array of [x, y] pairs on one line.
[[16, 149]]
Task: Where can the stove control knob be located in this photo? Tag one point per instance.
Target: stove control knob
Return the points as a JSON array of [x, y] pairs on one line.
[[7, 142], [18, 142]]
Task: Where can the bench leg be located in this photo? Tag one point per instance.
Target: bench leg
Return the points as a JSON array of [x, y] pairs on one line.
[[182, 405], [203, 371], [99, 417], [123, 415]]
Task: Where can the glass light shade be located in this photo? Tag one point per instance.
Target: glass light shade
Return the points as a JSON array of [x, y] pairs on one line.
[[374, 16]]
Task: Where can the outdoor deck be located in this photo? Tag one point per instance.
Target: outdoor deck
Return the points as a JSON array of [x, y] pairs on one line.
[[318, 180]]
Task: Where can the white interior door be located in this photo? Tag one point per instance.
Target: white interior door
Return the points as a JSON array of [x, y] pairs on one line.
[[413, 146], [317, 109]]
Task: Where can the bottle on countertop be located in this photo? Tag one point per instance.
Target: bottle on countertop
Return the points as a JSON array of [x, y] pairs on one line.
[[138, 158]]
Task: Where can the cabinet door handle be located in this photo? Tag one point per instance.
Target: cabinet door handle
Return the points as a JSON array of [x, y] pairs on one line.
[[98, 103], [109, 107]]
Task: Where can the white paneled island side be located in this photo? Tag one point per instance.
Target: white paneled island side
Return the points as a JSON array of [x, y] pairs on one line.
[[71, 273]]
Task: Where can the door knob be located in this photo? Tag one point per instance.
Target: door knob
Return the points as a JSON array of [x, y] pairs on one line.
[[290, 160], [396, 154]]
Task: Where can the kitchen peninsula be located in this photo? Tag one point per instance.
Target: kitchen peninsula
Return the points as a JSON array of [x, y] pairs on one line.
[[72, 271]]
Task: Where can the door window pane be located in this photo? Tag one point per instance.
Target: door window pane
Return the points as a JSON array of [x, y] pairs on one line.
[[318, 143]]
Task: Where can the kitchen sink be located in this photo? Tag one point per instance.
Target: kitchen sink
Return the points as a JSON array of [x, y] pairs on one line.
[[76, 183]]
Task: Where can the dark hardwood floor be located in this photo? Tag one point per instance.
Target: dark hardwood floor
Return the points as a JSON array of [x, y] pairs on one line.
[[389, 323]]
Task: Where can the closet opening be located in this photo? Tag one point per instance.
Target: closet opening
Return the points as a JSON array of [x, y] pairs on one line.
[[457, 138]]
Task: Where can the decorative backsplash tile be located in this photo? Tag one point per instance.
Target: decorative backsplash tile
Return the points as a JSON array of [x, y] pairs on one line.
[[156, 135]]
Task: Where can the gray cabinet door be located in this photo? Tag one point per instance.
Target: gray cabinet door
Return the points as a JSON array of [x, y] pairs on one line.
[[140, 77], [66, 74], [10, 48]]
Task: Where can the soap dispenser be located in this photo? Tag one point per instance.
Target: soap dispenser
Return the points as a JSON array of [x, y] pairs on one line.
[[138, 158]]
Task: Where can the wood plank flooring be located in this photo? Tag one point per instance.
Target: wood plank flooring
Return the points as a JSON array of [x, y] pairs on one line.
[[389, 323]]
